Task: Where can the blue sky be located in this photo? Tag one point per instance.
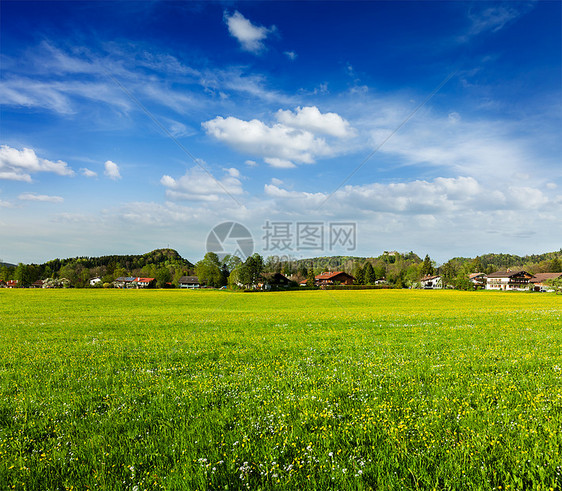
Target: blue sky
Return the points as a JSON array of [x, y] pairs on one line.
[[128, 126]]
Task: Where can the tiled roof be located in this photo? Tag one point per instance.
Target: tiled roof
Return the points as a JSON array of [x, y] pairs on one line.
[[505, 274], [328, 276], [540, 277], [192, 280]]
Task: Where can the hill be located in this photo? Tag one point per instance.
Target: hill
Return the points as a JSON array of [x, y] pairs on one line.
[[130, 262]]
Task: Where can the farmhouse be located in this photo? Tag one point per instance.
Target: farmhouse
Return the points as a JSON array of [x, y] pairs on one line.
[[432, 282], [38, 284], [124, 282], [12, 284], [144, 282], [274, 280], [95, 281], [477, 279], [189, 282], [508, 280], [337, 278], [539, 281]]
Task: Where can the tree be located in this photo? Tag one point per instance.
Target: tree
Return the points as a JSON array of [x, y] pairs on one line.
[[251, 270], [359, 275], [369, 274], [208, 270], [555, 266], [163, 276], [310, 278], [427, 267], [476, 265], [22, 275]]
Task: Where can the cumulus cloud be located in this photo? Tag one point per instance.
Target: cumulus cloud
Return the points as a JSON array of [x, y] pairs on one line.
[[112, 170], [291, 55], [40, 197], [198, 185], [18, 165], [249, 36], [88, 173], [311, 119], [293, 139]]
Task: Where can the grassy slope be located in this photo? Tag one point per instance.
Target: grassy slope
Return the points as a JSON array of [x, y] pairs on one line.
[[319, 389]]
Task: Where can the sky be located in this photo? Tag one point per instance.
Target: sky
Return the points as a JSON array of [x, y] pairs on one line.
[[322, 128]]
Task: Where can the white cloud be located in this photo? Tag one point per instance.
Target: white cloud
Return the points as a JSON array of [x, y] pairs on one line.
[[198, 185], [311, 119], [279, 163], [492, 18], [294, 139], [40, 197], [88, 173], [441, 196], [291, 55], [251, 163], [551, 185], [249, 36], [18, 165], [112, 170], [276, 182], [274, 142]]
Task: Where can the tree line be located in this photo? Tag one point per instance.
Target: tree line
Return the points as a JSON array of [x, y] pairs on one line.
[[167, 267]]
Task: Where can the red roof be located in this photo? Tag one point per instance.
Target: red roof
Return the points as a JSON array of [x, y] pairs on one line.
[[328, 276], [144, 280]]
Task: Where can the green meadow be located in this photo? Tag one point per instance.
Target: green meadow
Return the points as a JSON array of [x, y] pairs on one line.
[[373, 389]]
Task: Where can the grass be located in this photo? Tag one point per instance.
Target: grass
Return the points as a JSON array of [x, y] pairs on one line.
[[374, 389]]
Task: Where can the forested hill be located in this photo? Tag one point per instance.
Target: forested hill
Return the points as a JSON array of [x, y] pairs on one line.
[[129, 262], [535, 263], [509, 260]]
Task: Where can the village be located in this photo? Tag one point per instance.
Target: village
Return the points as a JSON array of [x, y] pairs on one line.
[[517, 280]]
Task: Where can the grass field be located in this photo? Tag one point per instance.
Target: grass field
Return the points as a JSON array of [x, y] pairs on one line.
[[374, 389]]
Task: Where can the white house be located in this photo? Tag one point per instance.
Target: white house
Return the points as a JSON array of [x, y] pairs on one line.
[[434, 282], [508, 280], [95, 281]]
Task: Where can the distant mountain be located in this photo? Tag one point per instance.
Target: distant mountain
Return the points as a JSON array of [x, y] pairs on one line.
[[8, 265]]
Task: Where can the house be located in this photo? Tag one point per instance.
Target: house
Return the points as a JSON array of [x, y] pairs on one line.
[[477, 279], [145, 282], [124, 282], [539, 281], [274, 281], [337, 278], [12, 284], [432, 282], [95, 281], [508, 280], [303, 283], [38, 284], [189, 282], [380, 281]]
